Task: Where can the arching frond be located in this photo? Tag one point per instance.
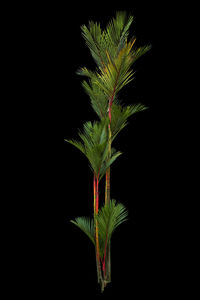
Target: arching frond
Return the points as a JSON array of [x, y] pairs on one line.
[[109, 161], [86, 225], [117, 72], [94, 145], [127, 21], [94, 134], [137, 52], [120, 115], [109, 218], [113, 53], [93, 37], [111, 39], [76, 144], [99, 100]]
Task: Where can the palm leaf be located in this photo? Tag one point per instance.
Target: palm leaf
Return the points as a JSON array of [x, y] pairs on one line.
[[117, 28], [138, 52], [94, 145], [116, 73], [93, 37], [111, 39], [114, 56], [120, 115], [109, 161], [109, 218], [87, 226], [98, 98], [76, 144]]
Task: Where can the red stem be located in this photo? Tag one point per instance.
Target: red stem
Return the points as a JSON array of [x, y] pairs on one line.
[[94, 186], [97, 209], [97, 195], [104, 260]]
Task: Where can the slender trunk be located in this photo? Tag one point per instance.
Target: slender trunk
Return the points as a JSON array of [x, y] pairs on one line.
[[107, 261], [107, 187], [94, 188], [97, 233], [97, 195], [104, 259], [96, 208]]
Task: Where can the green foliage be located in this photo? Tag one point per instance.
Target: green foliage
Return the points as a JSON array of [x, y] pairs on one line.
[[94, 145], [86, 225], [99, 101], [109, 161], [115, 74], [114, 56], [117, 31], [109, 218], [112, 39], [120, 115]]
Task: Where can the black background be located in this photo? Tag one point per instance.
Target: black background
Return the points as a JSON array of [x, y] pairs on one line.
[[145, 251]]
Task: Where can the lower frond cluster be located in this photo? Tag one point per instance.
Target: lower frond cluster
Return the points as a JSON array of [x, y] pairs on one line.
[[108, 219], [105, 223]]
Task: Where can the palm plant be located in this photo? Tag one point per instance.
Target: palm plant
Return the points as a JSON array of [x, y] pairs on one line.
[[114, 56]]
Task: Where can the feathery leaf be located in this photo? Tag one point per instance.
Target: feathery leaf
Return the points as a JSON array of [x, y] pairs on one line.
[[86, 225], [94, 145], [109, 218], [120, 115]]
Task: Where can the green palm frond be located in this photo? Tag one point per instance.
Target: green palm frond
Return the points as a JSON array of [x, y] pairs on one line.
[[111, 39], [93, 37], [96, 156], [138, 52], [109, 218], [128, 19], [116, 72], [94, 145], [76, 144], [120, 115], [94, 133], [87, 226], [109, 161], [116, 32], [99, 100], [113, 53]]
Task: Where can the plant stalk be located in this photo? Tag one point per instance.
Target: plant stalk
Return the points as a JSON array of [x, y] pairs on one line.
[[107, 267], [96, 208]]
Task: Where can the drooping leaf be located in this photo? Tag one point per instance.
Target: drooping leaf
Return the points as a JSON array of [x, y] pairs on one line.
[[109, 218], [99, 100], [109, 161], [112, 39], [120, 115], [114, 56], [94, 145], [86, 225]]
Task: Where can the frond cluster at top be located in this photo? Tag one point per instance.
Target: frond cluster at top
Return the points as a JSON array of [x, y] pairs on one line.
[[114, 56]]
